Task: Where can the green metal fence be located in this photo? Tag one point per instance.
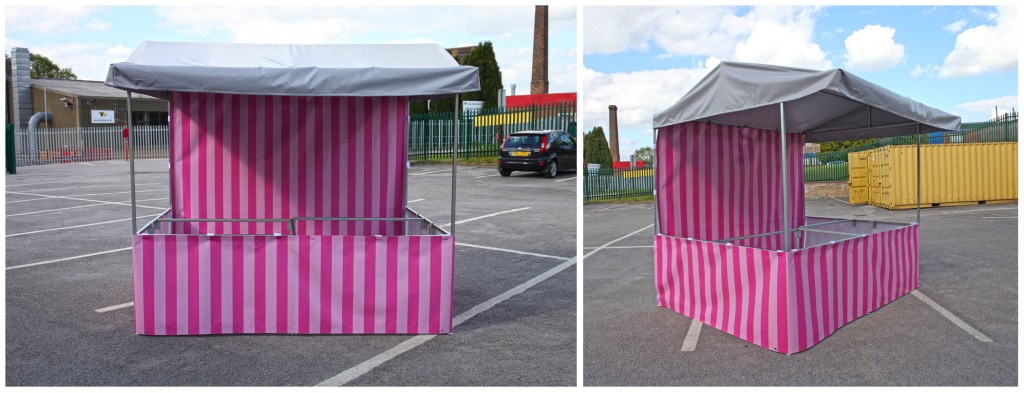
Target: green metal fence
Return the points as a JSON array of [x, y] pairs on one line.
[[617, 184], [481, 133], [832, 165]]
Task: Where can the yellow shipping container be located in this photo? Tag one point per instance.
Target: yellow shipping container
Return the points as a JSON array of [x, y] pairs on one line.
[[951, 175]]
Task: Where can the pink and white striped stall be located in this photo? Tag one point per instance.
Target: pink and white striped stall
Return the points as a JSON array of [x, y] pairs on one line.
[[288, 210], [734, 248]]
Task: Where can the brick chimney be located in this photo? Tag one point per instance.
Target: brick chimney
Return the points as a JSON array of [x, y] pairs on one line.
[[613, 132], [539, 82]]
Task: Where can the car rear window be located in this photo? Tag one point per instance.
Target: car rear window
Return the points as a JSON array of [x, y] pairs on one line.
[[515, 141]]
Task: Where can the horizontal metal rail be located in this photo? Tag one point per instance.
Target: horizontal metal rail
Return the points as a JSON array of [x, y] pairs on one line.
[[834, 232], [826, 223], [731, 239]]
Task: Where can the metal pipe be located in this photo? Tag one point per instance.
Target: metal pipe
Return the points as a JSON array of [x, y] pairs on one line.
[[405, 186], [747, 236], [455, 155], [131, 160], [919, 173], [785, 179], [654, 168]]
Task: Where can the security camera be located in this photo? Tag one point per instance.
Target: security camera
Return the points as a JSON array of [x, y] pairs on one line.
[[64, 99]]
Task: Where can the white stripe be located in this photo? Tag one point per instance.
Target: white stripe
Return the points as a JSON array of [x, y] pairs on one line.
[[621, 247], [85, 163], [979, 210], [480, 177], [68, 258], [424, 173], [1001, 217], [690, 342], [616, 240], [115, 307], [126, 203], [416, 200], [953, 318], [610, 207], [78, 226], [67, 197], [63, 208], [489, 215], [407, 345], [104, 185], [556, 181], [512, 251]]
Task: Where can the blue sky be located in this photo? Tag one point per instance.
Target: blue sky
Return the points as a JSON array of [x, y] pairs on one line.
[[89, 38], [962, 60]]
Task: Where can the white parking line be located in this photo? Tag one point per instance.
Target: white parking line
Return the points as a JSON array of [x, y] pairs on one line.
[[78, 195], [102, 185], [416, 200], [68, 258], [56, 181], [690, 342], [489, 215], [619, 247], [610, 207], [424, 173], [86, 163], [953, 318], [480, 177], [512, 251], [54, 210], [606, 245], [556, 181], [115, 307], [78, 226], [125, 203], [1002, 217], [407, 345]]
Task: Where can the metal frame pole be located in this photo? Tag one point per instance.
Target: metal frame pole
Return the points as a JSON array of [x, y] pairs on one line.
[[131, 159], [785, 179], [455, 155], [654, 191], [919, 173]]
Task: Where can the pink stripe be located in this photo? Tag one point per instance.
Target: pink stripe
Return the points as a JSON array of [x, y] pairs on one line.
[[348, 279], [216, 322], [435, 283], [260, 283], [414, 284], [326, 279], [238, 298], [282, 276], [392, 286], [304, 277]]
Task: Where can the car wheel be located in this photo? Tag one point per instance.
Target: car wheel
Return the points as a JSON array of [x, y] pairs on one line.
[[505, 172], [552, 169]]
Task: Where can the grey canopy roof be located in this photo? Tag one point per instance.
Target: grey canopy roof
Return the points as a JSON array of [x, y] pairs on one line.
[[415, 70], [824, 105]]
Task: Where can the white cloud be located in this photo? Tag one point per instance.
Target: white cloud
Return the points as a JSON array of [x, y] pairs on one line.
[[986, 109], [46, 21], [872, 48], [956, 26], [89, 61], [98, 25], [928, 70], [777, 35], [119, 51], [985, 48]]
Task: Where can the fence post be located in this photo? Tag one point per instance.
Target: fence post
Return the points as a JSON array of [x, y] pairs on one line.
[[11, 162]]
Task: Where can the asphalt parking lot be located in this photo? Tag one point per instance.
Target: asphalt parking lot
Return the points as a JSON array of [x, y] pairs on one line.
[[68, 276], [968, 267]]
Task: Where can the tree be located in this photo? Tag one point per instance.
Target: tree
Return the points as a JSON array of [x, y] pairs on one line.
[[44, 68], [645, 154], [595, 148], [842, 145], [483, 58]]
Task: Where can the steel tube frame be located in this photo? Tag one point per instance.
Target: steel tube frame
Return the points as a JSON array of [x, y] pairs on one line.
[[131, 161], [785, 179], [455, 154], [918, 173], [654, 192]]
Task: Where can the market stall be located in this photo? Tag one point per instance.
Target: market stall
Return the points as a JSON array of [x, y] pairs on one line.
[[733, 247], [288, 183]]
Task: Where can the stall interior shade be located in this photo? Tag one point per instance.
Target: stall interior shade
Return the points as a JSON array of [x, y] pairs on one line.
[[260, 157], [718, 182]]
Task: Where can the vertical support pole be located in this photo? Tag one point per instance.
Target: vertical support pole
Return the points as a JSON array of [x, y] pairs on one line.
[[654, 189], [455, 155], [919, 173], [131, 160], [405, 186], [785, 179]]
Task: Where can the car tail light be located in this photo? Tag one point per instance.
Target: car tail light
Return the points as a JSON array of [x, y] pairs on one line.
[[543, 143]]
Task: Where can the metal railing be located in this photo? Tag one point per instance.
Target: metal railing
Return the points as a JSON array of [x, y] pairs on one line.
[[617, 184], [67, 145], [482, 132]]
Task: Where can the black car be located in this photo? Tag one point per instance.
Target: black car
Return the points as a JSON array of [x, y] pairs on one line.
[[538, 151]]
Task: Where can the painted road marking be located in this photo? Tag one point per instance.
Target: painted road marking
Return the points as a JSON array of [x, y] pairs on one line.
[[54, 210], [410, 344], [512, 251], [116, 307], [480, 177], [69, 196], [416, 200], [556, 181], [126, 203], [953, 318], [606, 245], [489, 215], [424, 173], [610, 207], [620, 247], [690, 342], [68, 258], [1002, 217], [979, 210], [103, 185], [78, 226]]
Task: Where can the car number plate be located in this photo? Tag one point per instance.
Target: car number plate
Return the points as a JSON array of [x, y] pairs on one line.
[[520, 154]]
